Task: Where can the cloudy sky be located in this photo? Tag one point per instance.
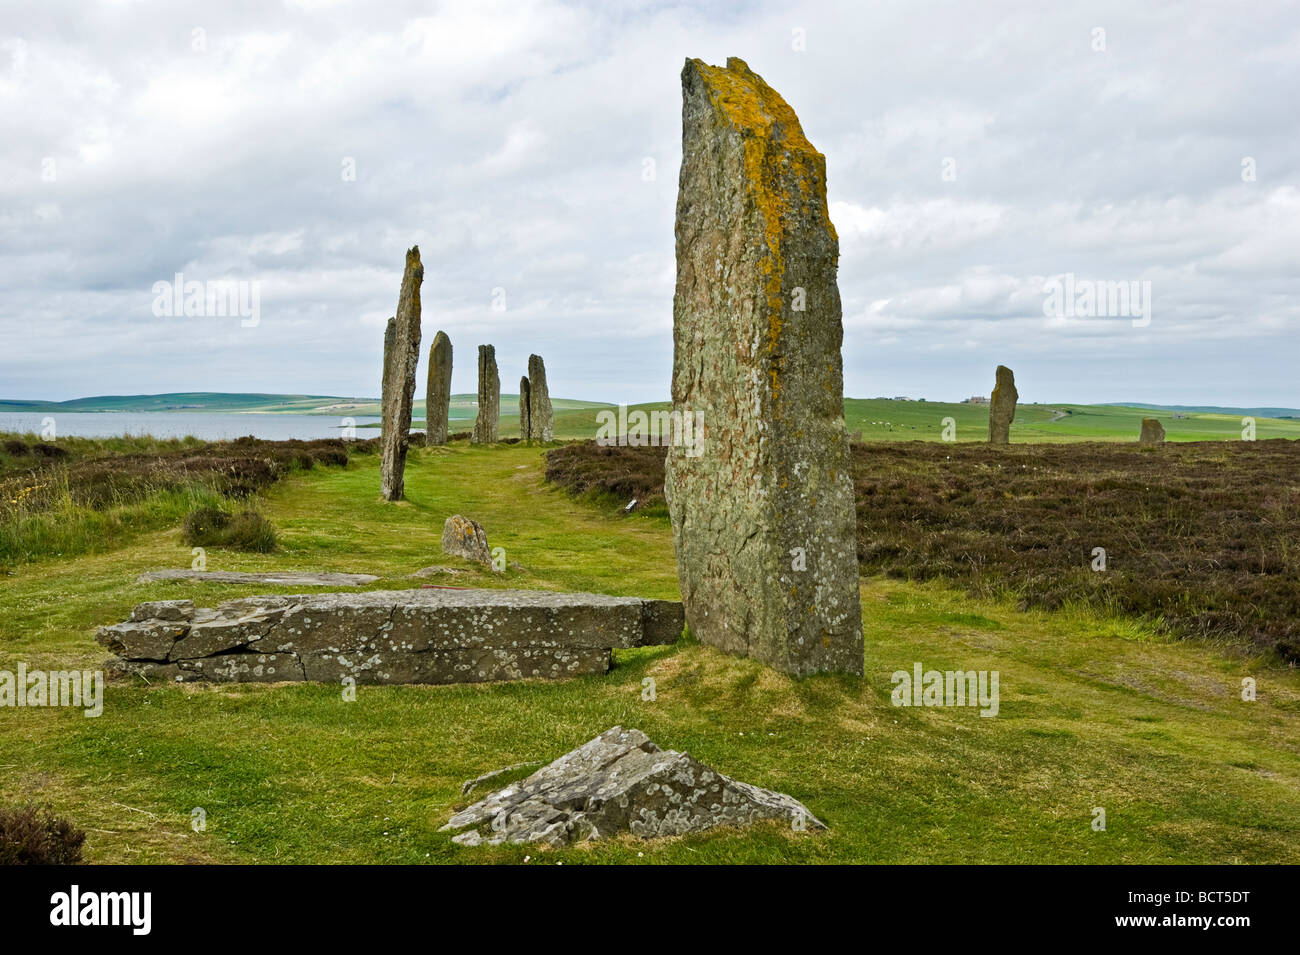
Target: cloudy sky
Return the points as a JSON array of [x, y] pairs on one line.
[[974, 152]]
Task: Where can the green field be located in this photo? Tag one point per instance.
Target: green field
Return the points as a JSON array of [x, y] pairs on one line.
[[1095, 711]]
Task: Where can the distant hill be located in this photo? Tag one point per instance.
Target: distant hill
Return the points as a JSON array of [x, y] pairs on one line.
[[192, 401], [875, 419], [1212, 409]]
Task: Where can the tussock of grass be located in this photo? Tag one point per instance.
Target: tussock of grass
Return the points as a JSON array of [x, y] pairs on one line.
[[213, 527]]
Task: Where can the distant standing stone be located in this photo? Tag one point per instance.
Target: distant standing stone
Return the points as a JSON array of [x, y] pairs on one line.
[[541, 420], [399, 374], [489, 397], [1153, 432], [1002, 406], [524, 408], [437, 399], [462, 537], [762, 505]]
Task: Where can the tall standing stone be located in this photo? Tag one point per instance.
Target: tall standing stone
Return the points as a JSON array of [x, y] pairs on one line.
[[525, 430], [762, 502], [489, 397], [437, 396], [1153, 432], [1002, 406], [541, 419], [399, 381]]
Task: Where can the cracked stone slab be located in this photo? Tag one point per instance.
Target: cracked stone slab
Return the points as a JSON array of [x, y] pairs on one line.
[[289, 578], [398, 636], [621, 782]]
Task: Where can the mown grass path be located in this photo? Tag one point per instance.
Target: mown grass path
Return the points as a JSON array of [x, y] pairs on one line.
[[1094, 713]]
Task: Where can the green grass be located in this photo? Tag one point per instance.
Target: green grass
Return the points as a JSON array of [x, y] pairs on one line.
[[1094, 711]]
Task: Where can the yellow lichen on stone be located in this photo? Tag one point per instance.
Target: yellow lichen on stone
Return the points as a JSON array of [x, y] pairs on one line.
[[785, 173]]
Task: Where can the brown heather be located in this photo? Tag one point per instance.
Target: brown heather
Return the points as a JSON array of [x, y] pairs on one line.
[[1202, 537]]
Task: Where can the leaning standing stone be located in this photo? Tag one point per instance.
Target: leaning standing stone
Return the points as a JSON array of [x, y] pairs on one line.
[[489, 397], [399, 381], [1153, 432], [1002, 406], [762, 504], [541, 421], [437, 398]]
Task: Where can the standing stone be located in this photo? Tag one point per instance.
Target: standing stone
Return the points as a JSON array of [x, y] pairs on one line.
[[489, 397], [541, 420], [762, 502], [437, 397], [1153, 432], [390, 332], [525, 409], [1002, 406], [399, 381]]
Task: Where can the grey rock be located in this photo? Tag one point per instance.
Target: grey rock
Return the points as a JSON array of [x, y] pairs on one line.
[[390, 334], [392, 636], [1002, 406], [437, 399], [620, 782], [289, 578], [142, 640], [488, 419], [480, 665], [469, 785], [178, 610], [399, 381], [1153, 432], [541, 419], [762, 507], [525, 433], [462, 537]]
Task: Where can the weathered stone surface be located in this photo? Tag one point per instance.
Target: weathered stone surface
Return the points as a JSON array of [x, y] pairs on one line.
[[489, 397], [483, 665], [762, 506], [146, 640], [1002, 406], [390, 333], [1153, 432], [525, 433], [469, 785], [399, 381], [662, 622], [392, 636], [462, 537], [621, 782], [437, 397], [289, 578], [163, 609], [541, 419]]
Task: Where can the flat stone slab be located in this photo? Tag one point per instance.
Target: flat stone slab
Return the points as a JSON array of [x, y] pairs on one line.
[[621, 782], [290, 578], [389, 636]]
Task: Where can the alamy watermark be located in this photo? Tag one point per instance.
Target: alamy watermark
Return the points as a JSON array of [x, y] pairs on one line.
[[79, 689], [657, 429], [946, 688], [1070, 297], [213, 299]]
